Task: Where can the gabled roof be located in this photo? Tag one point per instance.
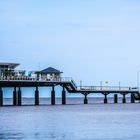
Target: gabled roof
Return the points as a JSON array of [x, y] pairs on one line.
[[50, 70]]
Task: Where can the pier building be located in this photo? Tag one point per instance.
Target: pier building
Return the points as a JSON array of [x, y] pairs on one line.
[[50, 74], [7, 69]]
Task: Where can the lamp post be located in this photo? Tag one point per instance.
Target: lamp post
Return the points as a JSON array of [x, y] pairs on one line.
[[80, 84], [138, 79], [119, 85], [107, 86], [101, 84]]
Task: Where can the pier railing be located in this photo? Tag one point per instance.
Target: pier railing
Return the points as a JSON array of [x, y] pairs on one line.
[[27, 78], [107, 88], [69, 79], [65, 79], [13, 78]]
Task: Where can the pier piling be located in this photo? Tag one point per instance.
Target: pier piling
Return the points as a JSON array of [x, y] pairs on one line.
[[124, 98], [105, 99], [1, 97], [36, 96], [63, 96], [132, 98], [115, 98], [19, 97], [53, 96], [14, 97], [85, 99]]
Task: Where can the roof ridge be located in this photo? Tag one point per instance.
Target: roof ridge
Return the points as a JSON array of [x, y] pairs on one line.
[[50, 70]]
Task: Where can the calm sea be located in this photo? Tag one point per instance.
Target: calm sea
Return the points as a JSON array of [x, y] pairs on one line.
[[74, 121]]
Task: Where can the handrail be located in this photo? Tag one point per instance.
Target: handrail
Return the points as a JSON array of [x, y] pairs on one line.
[[69, 79], [12, 78], [74, 84], [65, 79], [116, 88]]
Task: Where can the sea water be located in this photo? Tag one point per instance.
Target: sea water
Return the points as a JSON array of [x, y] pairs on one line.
[[75, 121]]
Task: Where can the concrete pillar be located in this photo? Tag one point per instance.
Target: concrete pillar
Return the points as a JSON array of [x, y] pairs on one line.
[[115, 98], [105, 99], [1, 97], [14, 96], [124, 99], [53, 96], [132, 98], [36, 96], [19, 96], [63, 96], [85, 99]]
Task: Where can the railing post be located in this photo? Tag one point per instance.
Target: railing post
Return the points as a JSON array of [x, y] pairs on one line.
[[132, 98], [14, 97], [63, 96], [19, 96], [36, 96], [53, 96], [1, 97]]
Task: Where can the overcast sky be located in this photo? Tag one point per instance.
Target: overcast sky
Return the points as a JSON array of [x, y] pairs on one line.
[[89, 40]]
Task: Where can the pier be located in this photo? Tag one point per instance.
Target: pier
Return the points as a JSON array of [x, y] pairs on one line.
[[69, 86], [50, 77]]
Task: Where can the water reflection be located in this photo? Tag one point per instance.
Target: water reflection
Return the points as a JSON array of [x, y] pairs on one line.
[[34, 136], [11, 136]]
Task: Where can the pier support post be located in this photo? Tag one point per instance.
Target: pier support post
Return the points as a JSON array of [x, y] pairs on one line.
[[105, 99], [85, 99], [1, 97], [19, 96], [123, 99], [14, 96], [36, 96], [132, 98], [53, 96], [63, 96], [115, 98]]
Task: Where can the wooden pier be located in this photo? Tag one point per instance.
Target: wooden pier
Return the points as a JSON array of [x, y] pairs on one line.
[[68, 85]]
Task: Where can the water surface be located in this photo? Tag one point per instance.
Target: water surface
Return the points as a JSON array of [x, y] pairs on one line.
[[71, 122]]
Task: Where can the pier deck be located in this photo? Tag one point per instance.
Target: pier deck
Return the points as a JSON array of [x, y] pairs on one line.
[[69, 85]]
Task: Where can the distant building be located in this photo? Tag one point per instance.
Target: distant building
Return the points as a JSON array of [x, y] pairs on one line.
[[49, 74]]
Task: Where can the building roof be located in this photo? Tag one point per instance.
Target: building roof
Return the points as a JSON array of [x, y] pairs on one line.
[[10, 65], [50, 70]]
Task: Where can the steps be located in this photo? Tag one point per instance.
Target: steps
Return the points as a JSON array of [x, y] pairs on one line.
[[70, 86], [137, 96]]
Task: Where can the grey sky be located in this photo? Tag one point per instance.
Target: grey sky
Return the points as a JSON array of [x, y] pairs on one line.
[[89, 40]]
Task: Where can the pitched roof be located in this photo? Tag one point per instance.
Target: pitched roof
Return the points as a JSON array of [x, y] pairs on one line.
[[50, 70]]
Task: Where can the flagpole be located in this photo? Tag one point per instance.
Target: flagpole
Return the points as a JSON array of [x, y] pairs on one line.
[[101, 85]]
